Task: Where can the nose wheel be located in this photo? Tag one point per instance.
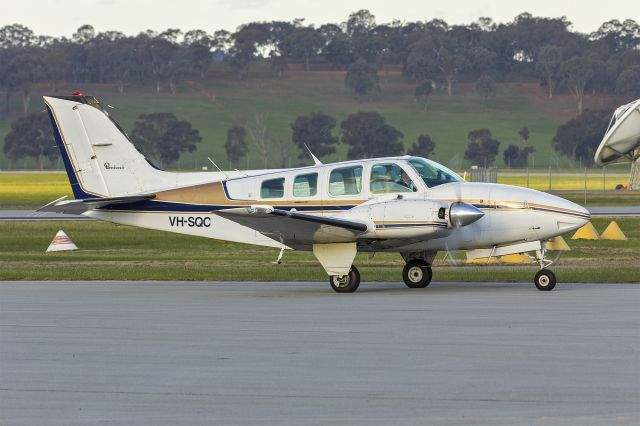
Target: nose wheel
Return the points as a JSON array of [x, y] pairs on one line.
[[545, 280], [346, 283], [417, 274]]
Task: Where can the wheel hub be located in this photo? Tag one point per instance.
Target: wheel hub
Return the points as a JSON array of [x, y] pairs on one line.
[[415, 274], [341, 281], [543, 280]]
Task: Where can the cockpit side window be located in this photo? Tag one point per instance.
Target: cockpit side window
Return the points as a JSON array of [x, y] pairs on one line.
[[272, 188], [305, 185], [389, 178], [345, 181], [433, 173]]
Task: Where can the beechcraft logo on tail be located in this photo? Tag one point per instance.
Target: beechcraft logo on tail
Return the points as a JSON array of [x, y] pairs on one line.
[[108, 166]]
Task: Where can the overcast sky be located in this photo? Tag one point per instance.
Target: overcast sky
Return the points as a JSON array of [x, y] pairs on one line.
[[63, 17]]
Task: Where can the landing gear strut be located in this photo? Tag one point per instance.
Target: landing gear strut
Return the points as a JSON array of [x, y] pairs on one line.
[[346, 283], [417, 274], [545, 280]]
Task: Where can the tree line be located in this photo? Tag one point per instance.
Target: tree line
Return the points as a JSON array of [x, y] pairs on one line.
[[163, 138], [432, 54]]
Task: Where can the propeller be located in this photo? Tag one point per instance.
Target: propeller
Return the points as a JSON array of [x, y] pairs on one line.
[[460, 214], [463, 214]]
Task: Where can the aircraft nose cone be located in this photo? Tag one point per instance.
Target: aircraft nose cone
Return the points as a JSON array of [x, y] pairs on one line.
[[463, 214], [584, 214], [569, 215], [584, 211]]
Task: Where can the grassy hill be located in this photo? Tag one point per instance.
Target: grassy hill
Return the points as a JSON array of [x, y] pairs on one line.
[[220, 101]]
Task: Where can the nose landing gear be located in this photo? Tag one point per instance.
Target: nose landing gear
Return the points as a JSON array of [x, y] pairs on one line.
[[545, 280]]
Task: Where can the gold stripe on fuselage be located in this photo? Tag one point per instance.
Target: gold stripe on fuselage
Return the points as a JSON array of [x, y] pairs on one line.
[[213, 194]]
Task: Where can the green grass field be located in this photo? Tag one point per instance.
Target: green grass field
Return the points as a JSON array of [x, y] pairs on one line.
[[18, 190], [565, 181], [221, 101], [111, 252]]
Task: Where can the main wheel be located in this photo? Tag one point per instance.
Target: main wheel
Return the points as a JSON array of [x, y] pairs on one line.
[[417, 274], [346, 283], [545, 280]]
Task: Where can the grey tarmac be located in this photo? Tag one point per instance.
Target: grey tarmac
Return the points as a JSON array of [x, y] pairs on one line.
[[274, 353]]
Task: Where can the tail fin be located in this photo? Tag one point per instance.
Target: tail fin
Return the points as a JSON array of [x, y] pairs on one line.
[[99, 158]]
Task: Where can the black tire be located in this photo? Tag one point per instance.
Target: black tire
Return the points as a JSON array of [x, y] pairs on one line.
[[545, 280], [347, 283], [417, 274]]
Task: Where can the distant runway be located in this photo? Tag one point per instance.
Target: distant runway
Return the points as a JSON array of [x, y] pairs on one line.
[[150, 353]]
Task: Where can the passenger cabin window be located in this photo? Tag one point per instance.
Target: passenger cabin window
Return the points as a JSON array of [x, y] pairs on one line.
[[433, 173], [272, 188], [390, 178], [305, 185], [346, 181]]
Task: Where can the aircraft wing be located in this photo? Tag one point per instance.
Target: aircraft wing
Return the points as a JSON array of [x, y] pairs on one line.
[[79, 206], [293, 228]]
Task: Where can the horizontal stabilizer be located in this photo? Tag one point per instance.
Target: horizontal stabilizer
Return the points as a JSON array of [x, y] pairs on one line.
[[62, 205]]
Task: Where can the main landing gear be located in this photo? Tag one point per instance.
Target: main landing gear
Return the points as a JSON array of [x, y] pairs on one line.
[[417, 268], [417, 274], [346, 283]]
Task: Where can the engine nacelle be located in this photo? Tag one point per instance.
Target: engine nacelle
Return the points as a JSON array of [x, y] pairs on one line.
[[405, 217]]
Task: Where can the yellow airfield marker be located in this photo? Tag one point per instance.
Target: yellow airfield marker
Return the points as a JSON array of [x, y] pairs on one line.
[[587, 232], [480, 260], [558, 243], [613, 232], [517, 258]]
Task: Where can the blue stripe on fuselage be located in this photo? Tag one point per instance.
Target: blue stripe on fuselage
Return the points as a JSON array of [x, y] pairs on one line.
[[412, 225], [541, 209], [163, 206]]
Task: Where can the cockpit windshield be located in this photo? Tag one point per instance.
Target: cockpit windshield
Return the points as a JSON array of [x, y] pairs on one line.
[[433, 173]]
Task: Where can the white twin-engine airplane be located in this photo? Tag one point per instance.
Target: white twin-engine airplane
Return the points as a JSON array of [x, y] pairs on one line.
[[408, 205]]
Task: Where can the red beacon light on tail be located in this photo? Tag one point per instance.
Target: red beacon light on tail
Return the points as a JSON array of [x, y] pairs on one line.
[[78, 93]]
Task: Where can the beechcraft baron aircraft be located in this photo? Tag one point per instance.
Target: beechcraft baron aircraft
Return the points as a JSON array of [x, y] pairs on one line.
[[408, 205]]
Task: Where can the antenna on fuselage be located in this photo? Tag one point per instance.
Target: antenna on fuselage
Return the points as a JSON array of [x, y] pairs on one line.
[[240, 171], [216, 166], [316, 162]]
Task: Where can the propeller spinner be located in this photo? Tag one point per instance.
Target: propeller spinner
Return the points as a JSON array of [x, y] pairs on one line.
[[463, 214]]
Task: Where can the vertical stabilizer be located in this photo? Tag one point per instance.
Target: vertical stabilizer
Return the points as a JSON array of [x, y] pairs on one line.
[[99, 158]]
